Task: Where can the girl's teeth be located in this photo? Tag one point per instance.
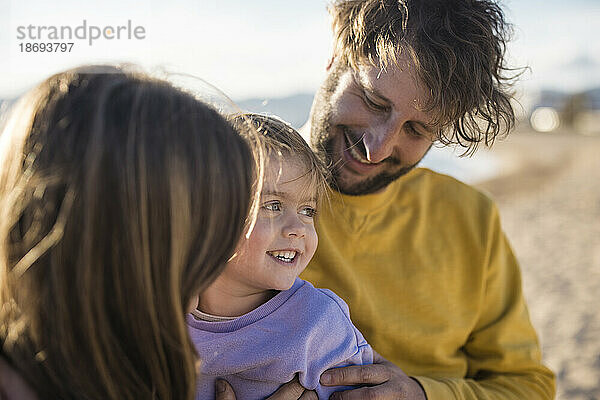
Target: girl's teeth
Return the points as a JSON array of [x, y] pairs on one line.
[[284, 255]]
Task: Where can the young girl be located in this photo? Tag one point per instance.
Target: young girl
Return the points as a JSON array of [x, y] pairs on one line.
[[258, 324], [121, 198]]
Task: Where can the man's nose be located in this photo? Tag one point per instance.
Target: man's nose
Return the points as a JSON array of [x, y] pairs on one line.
[[380, 141]]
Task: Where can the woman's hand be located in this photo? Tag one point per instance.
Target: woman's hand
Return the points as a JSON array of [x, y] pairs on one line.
[[289, 391]]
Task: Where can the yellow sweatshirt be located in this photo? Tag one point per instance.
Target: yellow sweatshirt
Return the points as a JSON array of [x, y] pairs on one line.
[[433, 285]]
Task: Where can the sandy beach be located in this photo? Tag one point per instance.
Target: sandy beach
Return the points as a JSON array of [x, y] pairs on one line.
[[549, 199]]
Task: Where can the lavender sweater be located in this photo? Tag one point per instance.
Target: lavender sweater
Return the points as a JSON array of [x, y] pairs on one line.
[[301, 330]]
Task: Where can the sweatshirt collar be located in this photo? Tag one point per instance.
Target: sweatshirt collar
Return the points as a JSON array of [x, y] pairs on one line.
[[240, 322], [367, 203]]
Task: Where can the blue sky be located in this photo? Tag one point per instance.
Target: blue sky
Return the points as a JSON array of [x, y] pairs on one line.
[[272, 48]]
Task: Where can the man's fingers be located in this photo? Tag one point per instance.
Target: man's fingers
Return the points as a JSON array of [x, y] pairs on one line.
[[223, 390], [309, 395], [377, 358], [291, 390], [374, 374], [367, 393]]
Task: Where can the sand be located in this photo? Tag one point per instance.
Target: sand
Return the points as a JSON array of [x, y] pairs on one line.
[[549, 199]]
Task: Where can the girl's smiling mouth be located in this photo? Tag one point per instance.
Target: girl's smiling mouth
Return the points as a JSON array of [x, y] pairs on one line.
[[286, 256]]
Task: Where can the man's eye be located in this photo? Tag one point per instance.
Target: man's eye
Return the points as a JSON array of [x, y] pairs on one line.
[[373, 105], [272, 206], [418, 132], [413, 131], [308, 211]]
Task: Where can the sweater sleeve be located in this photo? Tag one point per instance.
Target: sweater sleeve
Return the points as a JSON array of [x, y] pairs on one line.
[[335, 343], [504, 358], [364, 352]]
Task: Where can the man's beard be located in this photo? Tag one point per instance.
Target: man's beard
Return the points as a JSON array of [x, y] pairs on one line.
[[323, 144], [361, 187]]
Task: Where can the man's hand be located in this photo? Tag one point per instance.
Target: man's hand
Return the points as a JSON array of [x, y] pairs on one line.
[[385, 380], [289, 391]]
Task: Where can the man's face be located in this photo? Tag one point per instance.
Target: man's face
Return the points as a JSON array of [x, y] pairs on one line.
[[369, 127]]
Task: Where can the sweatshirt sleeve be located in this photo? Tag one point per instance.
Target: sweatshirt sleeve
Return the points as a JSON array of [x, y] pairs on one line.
[[364, 352], [504, 358], [335, 342]]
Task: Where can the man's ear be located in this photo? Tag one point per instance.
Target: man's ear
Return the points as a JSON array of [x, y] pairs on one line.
[[330, 62]]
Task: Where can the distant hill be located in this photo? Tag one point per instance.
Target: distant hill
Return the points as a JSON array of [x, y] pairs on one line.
[[593, 98], [558, 99], [293, 109]]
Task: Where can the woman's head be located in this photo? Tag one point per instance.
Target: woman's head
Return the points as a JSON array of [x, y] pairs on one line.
[[283, 240], [121, 198]]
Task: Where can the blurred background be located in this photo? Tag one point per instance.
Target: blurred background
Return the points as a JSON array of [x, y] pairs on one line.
[[270, 56]]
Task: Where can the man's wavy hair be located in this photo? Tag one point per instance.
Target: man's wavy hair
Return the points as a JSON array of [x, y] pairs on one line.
[[458, 50]]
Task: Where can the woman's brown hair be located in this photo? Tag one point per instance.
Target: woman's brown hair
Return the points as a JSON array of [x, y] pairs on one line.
[[121, 198]]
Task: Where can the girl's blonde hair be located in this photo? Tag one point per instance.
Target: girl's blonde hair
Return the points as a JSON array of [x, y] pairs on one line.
[[280, 140], [121, 198]]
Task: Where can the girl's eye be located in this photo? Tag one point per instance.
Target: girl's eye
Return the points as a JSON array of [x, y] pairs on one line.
[[308, 211], [273, 206]]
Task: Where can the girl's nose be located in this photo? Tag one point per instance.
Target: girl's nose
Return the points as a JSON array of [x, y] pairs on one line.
[[294, 228]]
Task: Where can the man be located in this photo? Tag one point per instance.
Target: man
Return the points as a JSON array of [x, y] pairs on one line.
[[420, 258]]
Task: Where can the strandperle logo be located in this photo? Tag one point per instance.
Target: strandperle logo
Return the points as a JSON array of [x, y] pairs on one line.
[[84, 31]]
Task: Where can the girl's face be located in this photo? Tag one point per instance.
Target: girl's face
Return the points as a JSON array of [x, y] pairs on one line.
[[284, 238]]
